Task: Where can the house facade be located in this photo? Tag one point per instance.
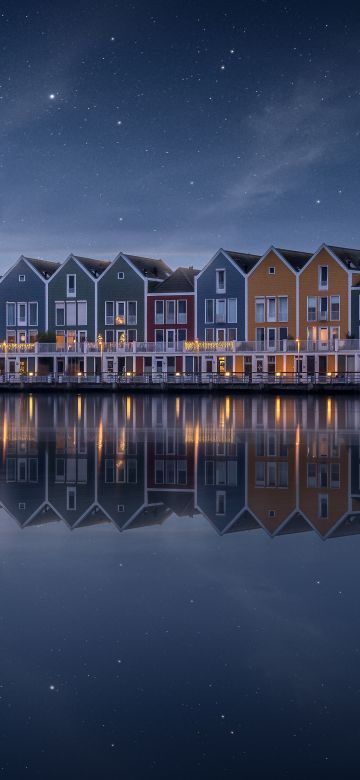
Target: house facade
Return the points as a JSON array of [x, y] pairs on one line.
[[171, 319], [221, 314], [122, 308]]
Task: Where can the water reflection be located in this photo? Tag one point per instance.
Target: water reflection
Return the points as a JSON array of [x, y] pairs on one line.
[[281, 465]]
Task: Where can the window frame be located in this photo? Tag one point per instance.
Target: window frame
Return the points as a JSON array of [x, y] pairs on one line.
[[220, 289], [69, 293]]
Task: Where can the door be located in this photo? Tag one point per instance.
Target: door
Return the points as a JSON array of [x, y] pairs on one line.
[[259, 366], [208, 366], [323, 336], [322, 365], [271, 338], [310, 366], [221, 365]]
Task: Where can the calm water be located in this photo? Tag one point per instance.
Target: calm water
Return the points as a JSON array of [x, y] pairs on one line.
[[179, 587]]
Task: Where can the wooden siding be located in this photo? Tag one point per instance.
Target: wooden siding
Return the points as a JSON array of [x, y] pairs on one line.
[[337, 285], [261, 284]]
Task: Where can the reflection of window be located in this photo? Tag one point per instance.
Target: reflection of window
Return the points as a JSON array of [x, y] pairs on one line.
[[323, 475], [209, 472], [71, 498], [220, 502], [271, 474], [60, 470], [232, 473], [335, 475], [182, 472], [159, 472], [283, 478], [323, 507], [311, 475], [221, 472], [259, 473]]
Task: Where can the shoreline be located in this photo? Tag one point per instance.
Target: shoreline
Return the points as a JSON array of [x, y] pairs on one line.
[[304, 389]]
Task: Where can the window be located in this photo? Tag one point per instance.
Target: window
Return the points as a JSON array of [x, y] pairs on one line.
[[71, 313], [220, 280], [109, 336], [71, 285], [271, 338], [335, 307], [259, 473], [21, 314], [209, 472], [71, 498], [232, 334], [283, 308], [159, 312], [82, 312], [283, 334], [323, 308], [33, 334], [271, 309], [120, 312], [271, 270], [232, 310], [260, 336], [59, 313], [182, 312], [220, 315], [33, 313], [11, 314], [209, 334], [121, 275], [131, 336], [209, 310], [220, 502], [22, 278], [170, 312], [311, 308], [159, 336], [259, 310], [131, 312], [109, 312], [181, 335], [323, 277]]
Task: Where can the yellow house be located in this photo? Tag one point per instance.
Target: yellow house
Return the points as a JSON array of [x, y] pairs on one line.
[[272, 305], [325, 305]]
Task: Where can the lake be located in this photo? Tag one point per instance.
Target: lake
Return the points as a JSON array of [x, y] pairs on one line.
[[179, 586]]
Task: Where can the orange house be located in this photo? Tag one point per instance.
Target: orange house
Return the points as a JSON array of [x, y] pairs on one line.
[[272, 303]]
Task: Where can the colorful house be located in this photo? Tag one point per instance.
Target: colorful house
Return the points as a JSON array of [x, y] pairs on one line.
[[23, 307], [121, 309], [72, 311], [221, 315], [272, 309], [171, 318]]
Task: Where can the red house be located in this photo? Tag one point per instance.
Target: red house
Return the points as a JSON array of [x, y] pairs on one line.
[[171, 318]]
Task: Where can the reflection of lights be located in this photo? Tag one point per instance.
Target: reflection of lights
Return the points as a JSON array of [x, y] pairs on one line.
[[100, 436], [79, 407], [328, 411], [227, 407], [128, 407], [177, 407], [5, 434], [31, 406], [278, 410], [297, 439]]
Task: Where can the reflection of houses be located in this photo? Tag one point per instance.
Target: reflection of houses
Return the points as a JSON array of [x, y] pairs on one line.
[[133, 462]]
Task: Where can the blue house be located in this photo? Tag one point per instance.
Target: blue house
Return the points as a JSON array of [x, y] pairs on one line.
[[220, 295]]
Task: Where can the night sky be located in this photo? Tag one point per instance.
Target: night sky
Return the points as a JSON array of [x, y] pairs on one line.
[[173, 128]]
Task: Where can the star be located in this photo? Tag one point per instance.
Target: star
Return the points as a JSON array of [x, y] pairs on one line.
[[119, 122], [52, 96], [222, 67], [112, 38], [318, 202]]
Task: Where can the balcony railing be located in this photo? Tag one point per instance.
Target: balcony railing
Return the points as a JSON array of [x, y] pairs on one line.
[[283, 346]]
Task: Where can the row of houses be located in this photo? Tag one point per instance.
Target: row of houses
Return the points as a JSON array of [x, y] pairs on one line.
[[135, 461], [282, 312]]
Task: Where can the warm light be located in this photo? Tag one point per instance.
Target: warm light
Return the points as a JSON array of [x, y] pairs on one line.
[[227, 407], [329, 373], [31, 373], [128, 373], [297, 440], [195, 346], [328, 411], [128, 408], [79, 373], [278, 410], [79, 407], [178, 373], [227, 373], [177, 407], [278, 373]]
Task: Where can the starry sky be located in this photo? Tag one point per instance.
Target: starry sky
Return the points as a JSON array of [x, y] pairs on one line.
[[172, 128]]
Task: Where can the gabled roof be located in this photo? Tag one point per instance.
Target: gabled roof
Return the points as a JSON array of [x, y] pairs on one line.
[[243, 260], [296, 259], [95, 267], [181, 280], [149, 267], [44, 267], [349, 257]]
